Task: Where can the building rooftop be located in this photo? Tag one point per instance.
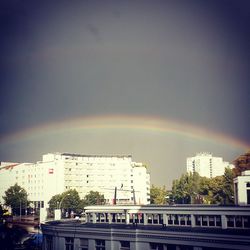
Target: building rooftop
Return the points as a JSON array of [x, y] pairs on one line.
[[83, 155]]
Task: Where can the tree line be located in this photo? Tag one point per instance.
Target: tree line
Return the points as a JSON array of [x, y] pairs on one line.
[[70, 201], [16, 197], [191, 188]]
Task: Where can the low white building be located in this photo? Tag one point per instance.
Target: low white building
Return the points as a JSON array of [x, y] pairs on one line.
[[242, 188], [132, 227], [59, 172], [207, 165]]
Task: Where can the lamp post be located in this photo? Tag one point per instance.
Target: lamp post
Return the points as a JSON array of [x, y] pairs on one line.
[[167, 199], [20, 209], [60, 204], [20, 205]]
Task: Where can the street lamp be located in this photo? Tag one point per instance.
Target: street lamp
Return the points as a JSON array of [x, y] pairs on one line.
[[60, 204], [167, 199], [20, 210], [20, 205]]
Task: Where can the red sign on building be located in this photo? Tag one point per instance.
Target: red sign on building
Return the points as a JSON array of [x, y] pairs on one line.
[[51, 170]]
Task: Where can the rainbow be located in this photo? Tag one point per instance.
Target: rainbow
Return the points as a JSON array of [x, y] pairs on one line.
[[148, 124]]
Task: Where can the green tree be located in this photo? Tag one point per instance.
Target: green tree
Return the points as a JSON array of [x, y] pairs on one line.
[[192, 188], [205, 190], [54, 202], [69, 201], [216, 190], [158, 195], [93, 198], [186, 189], [17, 198], [228, 187], [219, 190]]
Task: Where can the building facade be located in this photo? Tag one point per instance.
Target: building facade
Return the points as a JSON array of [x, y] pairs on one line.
[[152, 228], [242, 188], [59, 172], [207, 165]]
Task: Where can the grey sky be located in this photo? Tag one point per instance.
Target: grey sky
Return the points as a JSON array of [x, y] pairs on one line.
[[186, 61]]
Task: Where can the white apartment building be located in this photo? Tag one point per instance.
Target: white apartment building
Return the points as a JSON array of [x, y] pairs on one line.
[[59, 172], [207, 165]]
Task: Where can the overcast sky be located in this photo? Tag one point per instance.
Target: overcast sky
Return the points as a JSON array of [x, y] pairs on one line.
[[184, 63]]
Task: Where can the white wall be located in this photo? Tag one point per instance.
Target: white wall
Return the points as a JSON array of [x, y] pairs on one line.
[[241, 186]]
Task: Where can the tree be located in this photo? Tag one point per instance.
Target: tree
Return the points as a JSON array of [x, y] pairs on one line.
[[192, 188], [216, 190], [16, 197], [186, 189], [69, 201], [54, 202], [158, 195], [241, 163], [228, 186], [219, 190], [206, 190], [93, 198]]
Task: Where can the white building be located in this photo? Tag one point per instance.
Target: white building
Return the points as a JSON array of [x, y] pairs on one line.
[[207, 165], [130, 227], [242, 188], [59, 172]]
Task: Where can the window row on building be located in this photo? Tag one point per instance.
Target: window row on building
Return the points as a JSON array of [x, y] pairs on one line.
[[71, 243], [194, 216]]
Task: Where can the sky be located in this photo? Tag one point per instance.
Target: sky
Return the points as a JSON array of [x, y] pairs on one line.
[[158, 80]]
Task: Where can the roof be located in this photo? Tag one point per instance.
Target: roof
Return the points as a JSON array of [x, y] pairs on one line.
[[82, 155]]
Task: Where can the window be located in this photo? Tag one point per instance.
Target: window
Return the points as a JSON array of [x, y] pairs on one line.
[[124, 245], [100, 244], [248, 197], [84, 244], [69, 243], [156, 246]]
